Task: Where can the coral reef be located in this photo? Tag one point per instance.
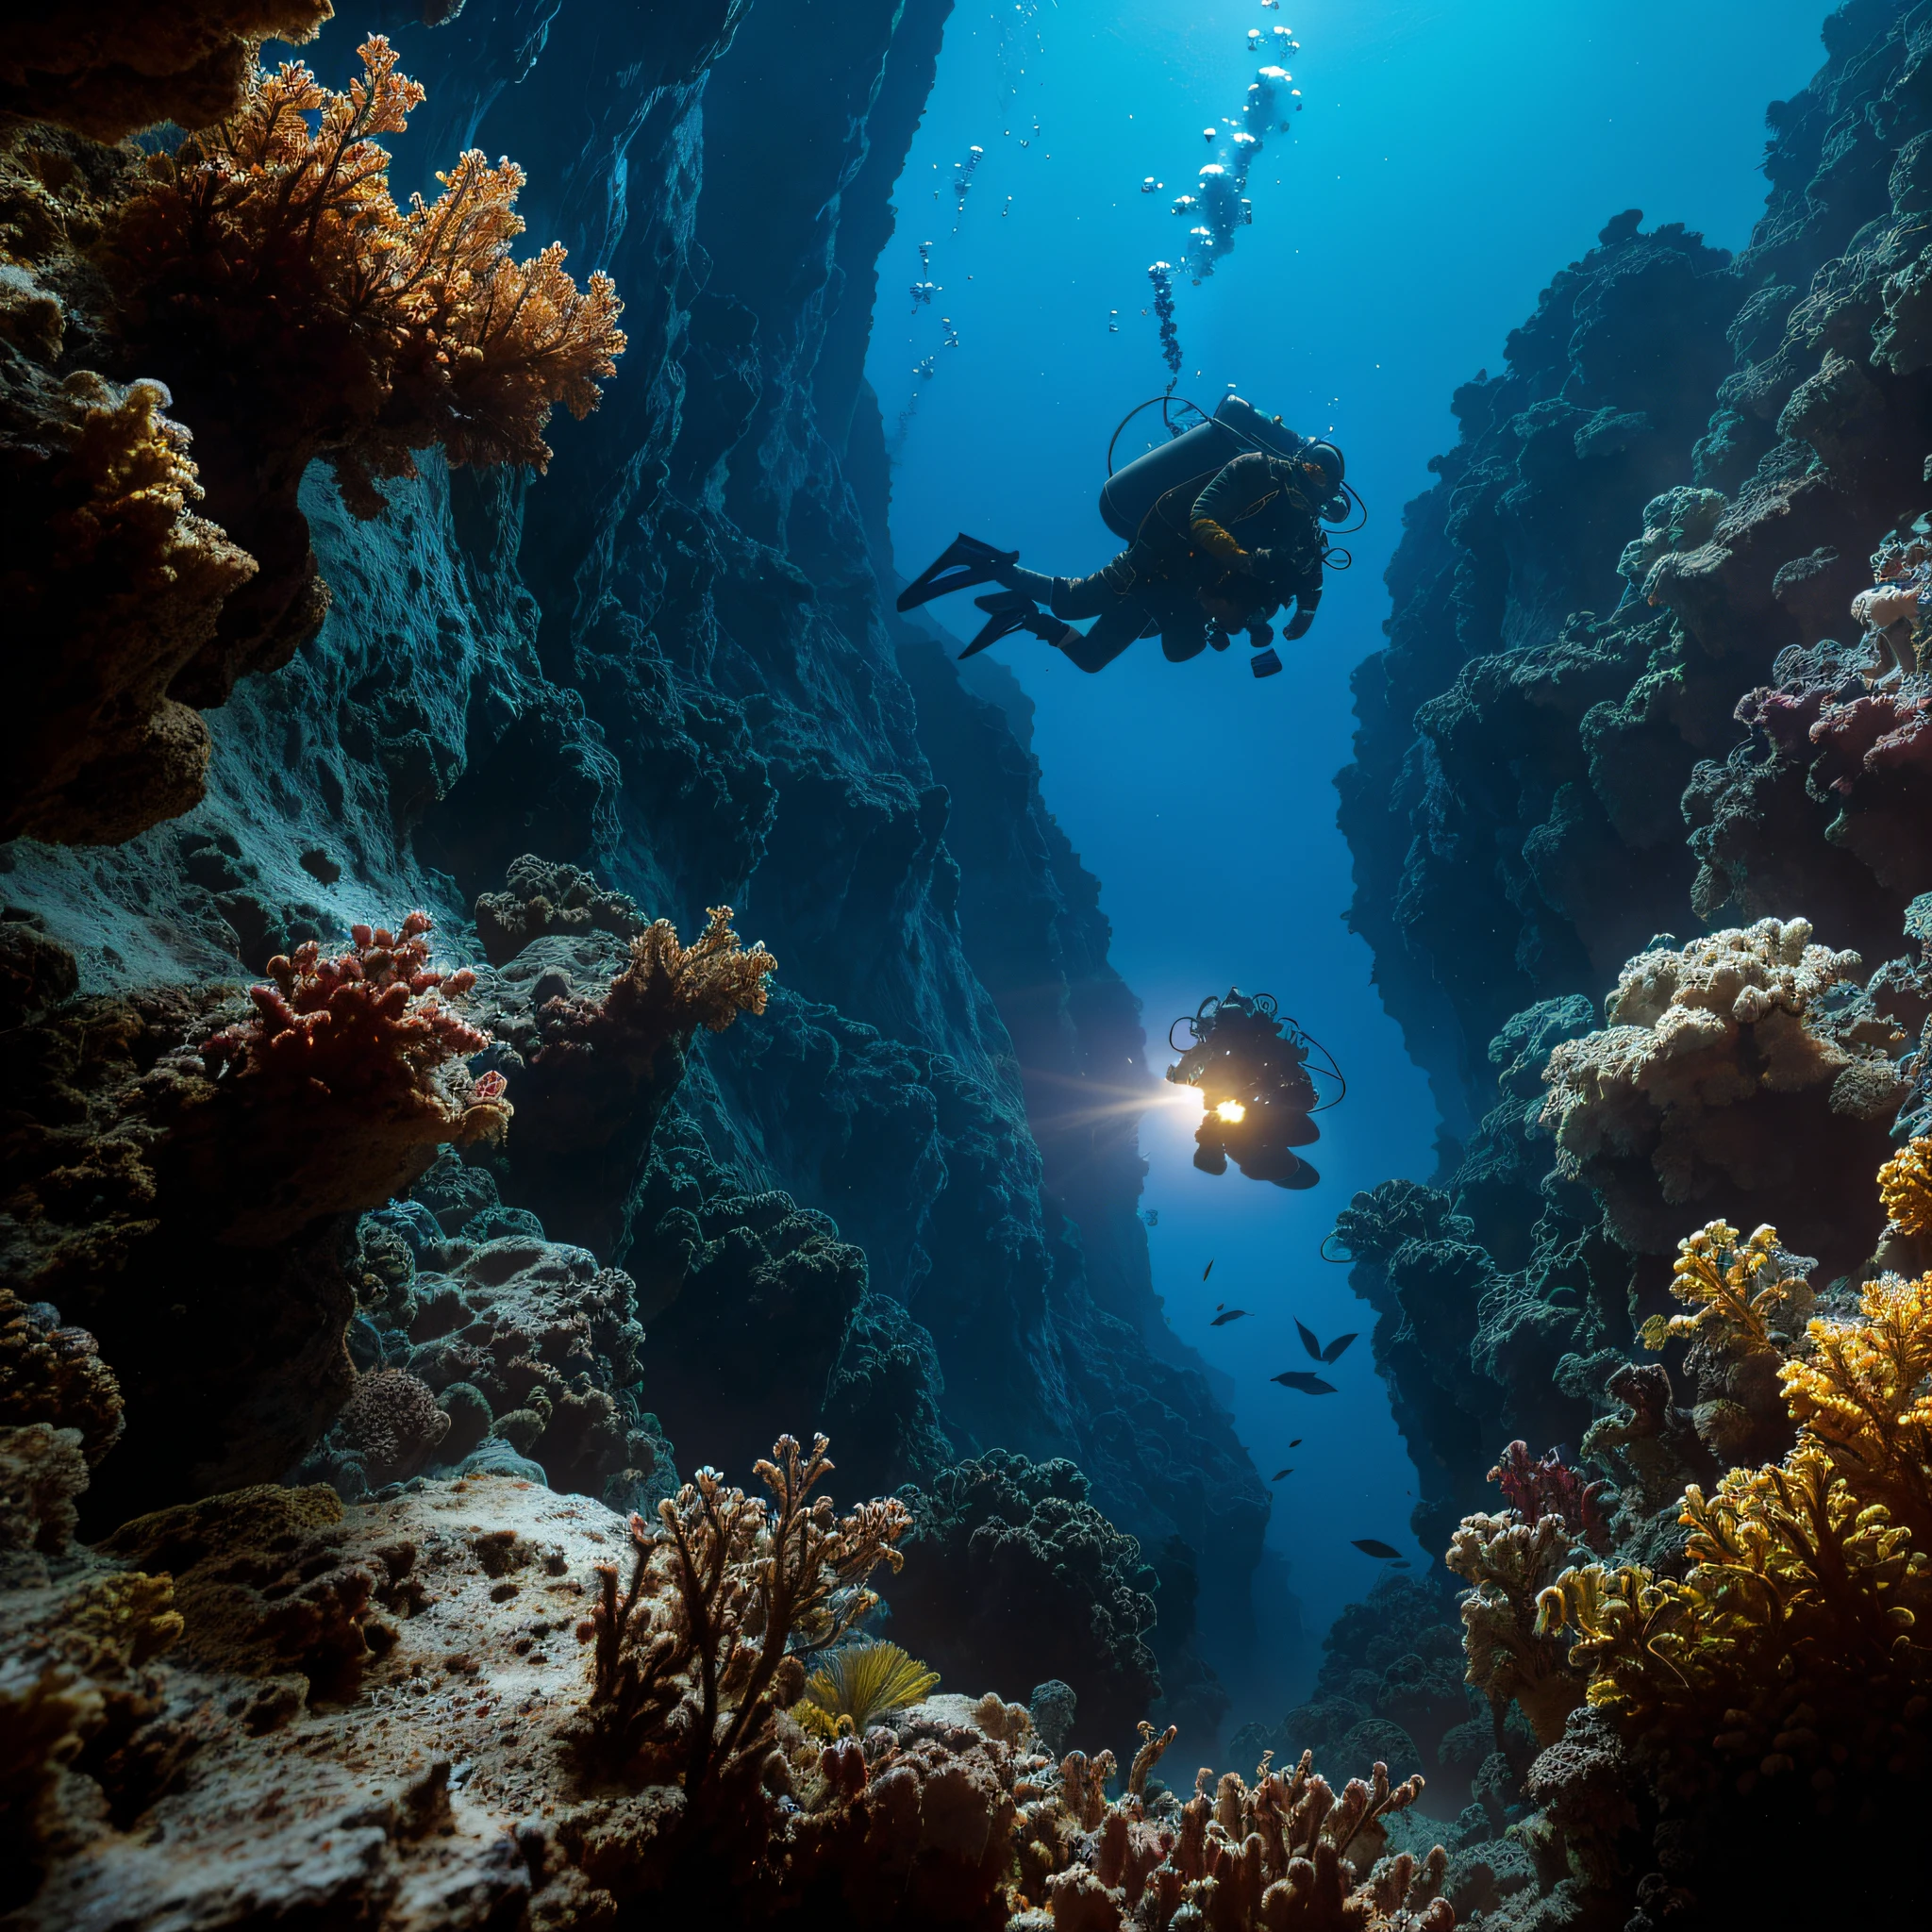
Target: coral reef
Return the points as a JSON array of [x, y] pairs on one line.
[[528, 1353], [173, 1169], [1725, 1066], [259, 279], [1286, 1852]]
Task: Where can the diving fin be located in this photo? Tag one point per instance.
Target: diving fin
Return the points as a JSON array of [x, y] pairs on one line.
[[1010, 610], [964, 561]]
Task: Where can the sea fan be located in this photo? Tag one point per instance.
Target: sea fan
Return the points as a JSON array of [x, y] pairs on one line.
[[862, 1682]]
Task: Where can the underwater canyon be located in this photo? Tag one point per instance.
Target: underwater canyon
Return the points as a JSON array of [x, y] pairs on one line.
[[580, 1344]]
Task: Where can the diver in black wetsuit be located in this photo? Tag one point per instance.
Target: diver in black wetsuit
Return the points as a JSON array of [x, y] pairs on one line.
[[1204, 562]]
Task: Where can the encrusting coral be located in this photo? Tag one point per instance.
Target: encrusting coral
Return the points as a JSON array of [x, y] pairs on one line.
[[1722, 1065], [1014, 1576]]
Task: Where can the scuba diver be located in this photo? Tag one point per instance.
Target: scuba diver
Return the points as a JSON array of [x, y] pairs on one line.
[[1253, 1077], [1225, 528]]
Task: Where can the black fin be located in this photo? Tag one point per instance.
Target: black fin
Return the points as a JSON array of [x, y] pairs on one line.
[[964, 561]]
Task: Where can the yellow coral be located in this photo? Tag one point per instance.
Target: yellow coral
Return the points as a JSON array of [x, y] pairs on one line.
[[1735, 1292], [1858, 1393], [1793, 1642], [1507, 1563], [859, 1684], [707, 983], [1905, 1187]]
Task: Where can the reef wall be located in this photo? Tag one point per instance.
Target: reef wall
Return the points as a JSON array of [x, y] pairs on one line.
[[890, 1204], [1619, 617]]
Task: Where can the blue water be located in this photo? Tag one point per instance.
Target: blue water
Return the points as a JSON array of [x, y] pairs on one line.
[[1447, 162]]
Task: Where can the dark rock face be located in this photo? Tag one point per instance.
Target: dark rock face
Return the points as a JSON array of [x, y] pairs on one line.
[[1665, 498], [666, 663]]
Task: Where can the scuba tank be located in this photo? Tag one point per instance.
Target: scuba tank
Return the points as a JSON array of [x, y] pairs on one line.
[[1235, 428]]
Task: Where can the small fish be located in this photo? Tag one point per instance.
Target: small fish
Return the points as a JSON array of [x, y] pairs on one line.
[[1333, 1352], [1302, 1383], [1405, 1564], [1279, 1474], [1308, 1341], [1374, 1546], [1296, 1443], [1208, 1270], [1232, 1315]]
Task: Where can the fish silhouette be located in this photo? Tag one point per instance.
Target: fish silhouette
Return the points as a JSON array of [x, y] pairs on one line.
[[1374, 1546], [1296, 1443], [1312, 1342], [1208, 1270], [1405, 1564], [1302, 1383], [1279, 1474], [1232, 1315]]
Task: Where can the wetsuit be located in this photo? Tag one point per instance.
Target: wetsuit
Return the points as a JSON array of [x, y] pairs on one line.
[[1250, 538]]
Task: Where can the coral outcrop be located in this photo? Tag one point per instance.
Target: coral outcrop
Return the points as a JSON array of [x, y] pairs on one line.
[[1015, 1576], [1727, 1069], [175, 1166], [258, 279]]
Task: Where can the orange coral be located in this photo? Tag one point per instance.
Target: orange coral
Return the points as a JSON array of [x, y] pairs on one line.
[[272, 242], [667, 991]]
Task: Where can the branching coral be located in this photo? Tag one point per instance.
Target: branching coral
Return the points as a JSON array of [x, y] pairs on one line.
[[1285, 1854], [273, 237], [1748, 1304], [109, 68], [691, 1657], [1790, 1644], [1719, 1068], [354, 1060], [666, 992], [260, 284], [1546, 1486], [1905, 1189], [857, 1684], [1507, 1563]]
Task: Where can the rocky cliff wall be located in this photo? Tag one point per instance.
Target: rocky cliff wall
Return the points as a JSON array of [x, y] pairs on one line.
[[666, 661]]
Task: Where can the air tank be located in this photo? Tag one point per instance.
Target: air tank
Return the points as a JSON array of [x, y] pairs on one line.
[[1236, 426]]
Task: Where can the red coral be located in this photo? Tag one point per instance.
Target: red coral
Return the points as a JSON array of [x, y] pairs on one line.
[[336, 1093], [1549, 1487], [354, 1023]]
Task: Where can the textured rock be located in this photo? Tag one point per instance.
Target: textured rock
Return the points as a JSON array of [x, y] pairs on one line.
[[666, 666]]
